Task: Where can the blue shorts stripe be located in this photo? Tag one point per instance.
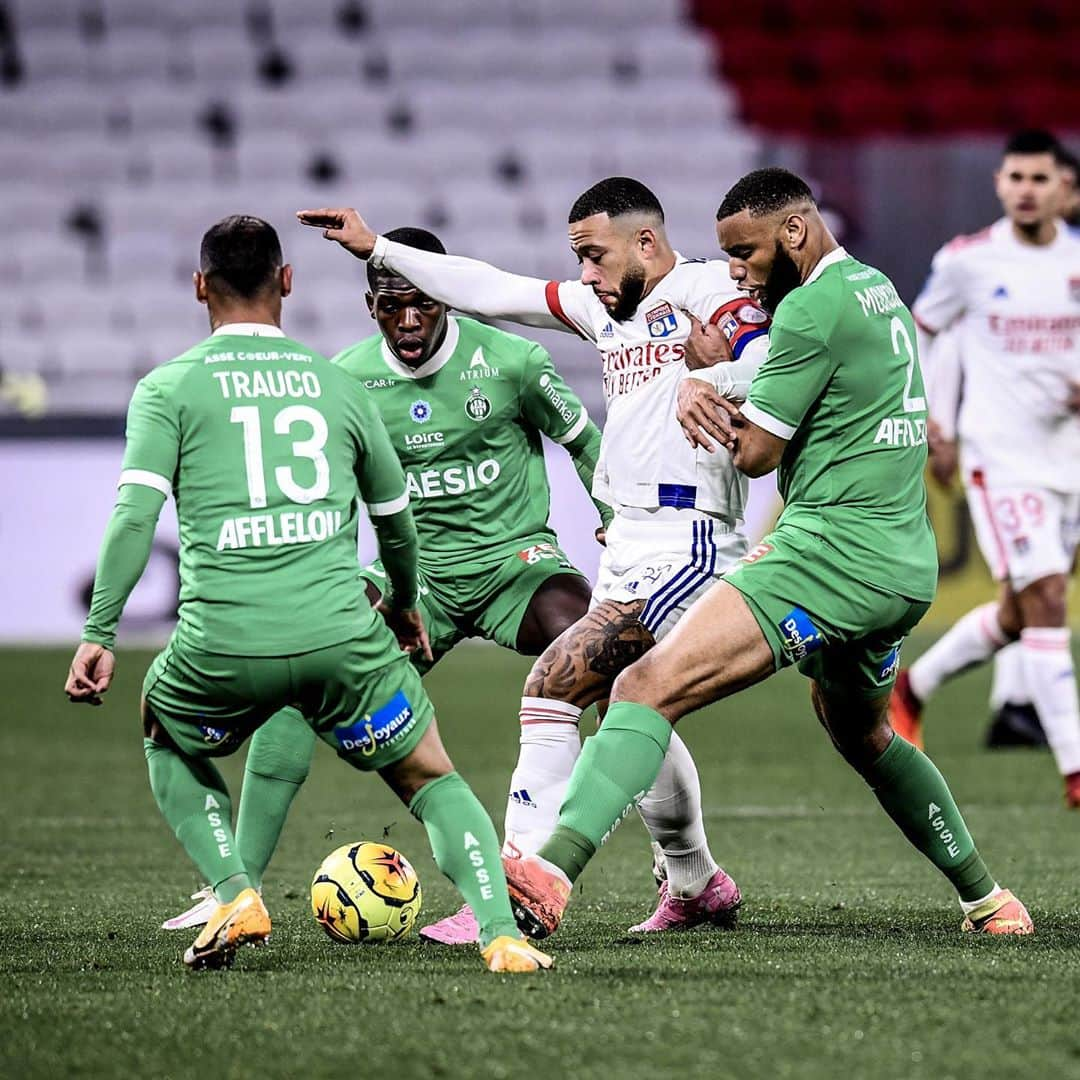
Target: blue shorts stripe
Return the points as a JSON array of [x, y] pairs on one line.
[[700, 575], [673, 582]]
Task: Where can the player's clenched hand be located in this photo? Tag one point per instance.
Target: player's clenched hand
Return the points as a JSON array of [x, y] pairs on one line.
[[943, 455], [409, 629], [90, 673], [706, 345], [345, 226], [702, 412]]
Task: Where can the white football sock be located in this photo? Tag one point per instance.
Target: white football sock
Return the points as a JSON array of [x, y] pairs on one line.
[[550, 745], [1009, 686], [1048, 668], [671, 810], [973, 638]]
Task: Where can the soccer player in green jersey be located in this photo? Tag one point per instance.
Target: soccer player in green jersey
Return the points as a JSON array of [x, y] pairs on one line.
[[851, 567], [267, 447], [465, 405]]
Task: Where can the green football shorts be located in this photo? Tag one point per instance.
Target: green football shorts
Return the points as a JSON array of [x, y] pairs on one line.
[[815, 611], [485, 599], [366, 702]]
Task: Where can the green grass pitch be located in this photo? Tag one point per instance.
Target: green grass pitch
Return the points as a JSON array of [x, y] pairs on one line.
[[848, 960]]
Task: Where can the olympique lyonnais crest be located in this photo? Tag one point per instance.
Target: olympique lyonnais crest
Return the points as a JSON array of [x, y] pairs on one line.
[[662, 320], [1074, 288], [477, 405]]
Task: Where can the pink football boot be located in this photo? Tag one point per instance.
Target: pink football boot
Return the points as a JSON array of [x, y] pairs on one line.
[[458, 929], [717, 904]]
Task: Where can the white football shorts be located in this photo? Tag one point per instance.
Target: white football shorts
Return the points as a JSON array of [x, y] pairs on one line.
[[669, 564], [1024, 533]]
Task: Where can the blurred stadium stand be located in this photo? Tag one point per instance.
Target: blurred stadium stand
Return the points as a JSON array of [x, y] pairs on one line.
[[129, 126], [852, 68], [137, 124]]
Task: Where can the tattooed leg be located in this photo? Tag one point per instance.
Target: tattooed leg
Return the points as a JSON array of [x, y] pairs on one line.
[[580, 665], [575, 671]]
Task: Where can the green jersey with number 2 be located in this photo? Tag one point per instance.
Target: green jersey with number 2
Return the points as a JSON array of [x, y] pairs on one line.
[[842, 384], [267, 447]]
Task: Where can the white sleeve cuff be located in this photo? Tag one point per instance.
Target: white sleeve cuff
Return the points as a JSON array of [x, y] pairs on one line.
[[766, 422], [385, 509], [146, 479], [378, 252], [576, 430]]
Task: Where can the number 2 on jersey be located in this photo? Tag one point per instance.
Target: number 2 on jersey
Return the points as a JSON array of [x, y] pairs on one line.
[[248, 417], [900, 333]]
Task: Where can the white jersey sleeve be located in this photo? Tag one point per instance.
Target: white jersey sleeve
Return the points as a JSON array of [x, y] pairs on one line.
[[942, 300], [471, 286], [731, 379], [943, 374], [574, 305]]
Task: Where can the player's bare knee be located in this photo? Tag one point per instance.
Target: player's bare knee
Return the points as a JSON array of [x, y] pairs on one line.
[[858, 728], [1042, 603], [638, 683]]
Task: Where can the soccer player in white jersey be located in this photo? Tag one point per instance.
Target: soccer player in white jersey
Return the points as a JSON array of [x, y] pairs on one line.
[[677, 510], [1014, 720], [1013, 292]]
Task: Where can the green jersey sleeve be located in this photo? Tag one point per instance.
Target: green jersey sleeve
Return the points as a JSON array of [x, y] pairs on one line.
[[379, 474], [152, 452], [550, 406], [381, 480], [124, 554], [547, 403], [795, 372]]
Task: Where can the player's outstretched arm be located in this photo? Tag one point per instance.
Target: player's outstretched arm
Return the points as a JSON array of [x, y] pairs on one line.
[[469, 285], [125, 552]]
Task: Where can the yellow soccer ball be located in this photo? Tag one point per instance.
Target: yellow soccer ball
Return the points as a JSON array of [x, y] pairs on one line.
[[365, 892]]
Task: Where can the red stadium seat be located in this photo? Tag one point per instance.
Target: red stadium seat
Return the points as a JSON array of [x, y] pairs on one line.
[[957, 104], [862, 107]]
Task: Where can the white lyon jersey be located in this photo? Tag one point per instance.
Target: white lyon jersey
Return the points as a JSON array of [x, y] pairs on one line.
[[645, 461], [1016, 311]]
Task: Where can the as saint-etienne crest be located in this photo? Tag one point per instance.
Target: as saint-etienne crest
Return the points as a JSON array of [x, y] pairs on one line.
[[477, 405]]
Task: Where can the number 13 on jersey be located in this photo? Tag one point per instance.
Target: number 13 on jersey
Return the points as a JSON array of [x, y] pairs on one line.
[[310, 448]]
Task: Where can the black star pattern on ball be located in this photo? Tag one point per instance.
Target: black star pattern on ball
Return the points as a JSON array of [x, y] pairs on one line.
[[392, 861], [324, 917]]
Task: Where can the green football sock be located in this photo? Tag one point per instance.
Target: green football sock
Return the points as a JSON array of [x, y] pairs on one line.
[[466, 850], [195, 802], [278, 762], [616, 767], [915, 795]]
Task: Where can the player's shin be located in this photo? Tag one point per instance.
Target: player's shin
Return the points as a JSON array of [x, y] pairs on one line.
[[914, 794], [550, 745], [973, 639], [1009, 684], [278, 762], [617, 766], [466, 850], [671, 810], [1051, 676], [195, 802]]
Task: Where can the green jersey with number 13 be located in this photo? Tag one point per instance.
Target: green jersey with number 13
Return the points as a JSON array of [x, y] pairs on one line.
[[842, 383], [267, 447]]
